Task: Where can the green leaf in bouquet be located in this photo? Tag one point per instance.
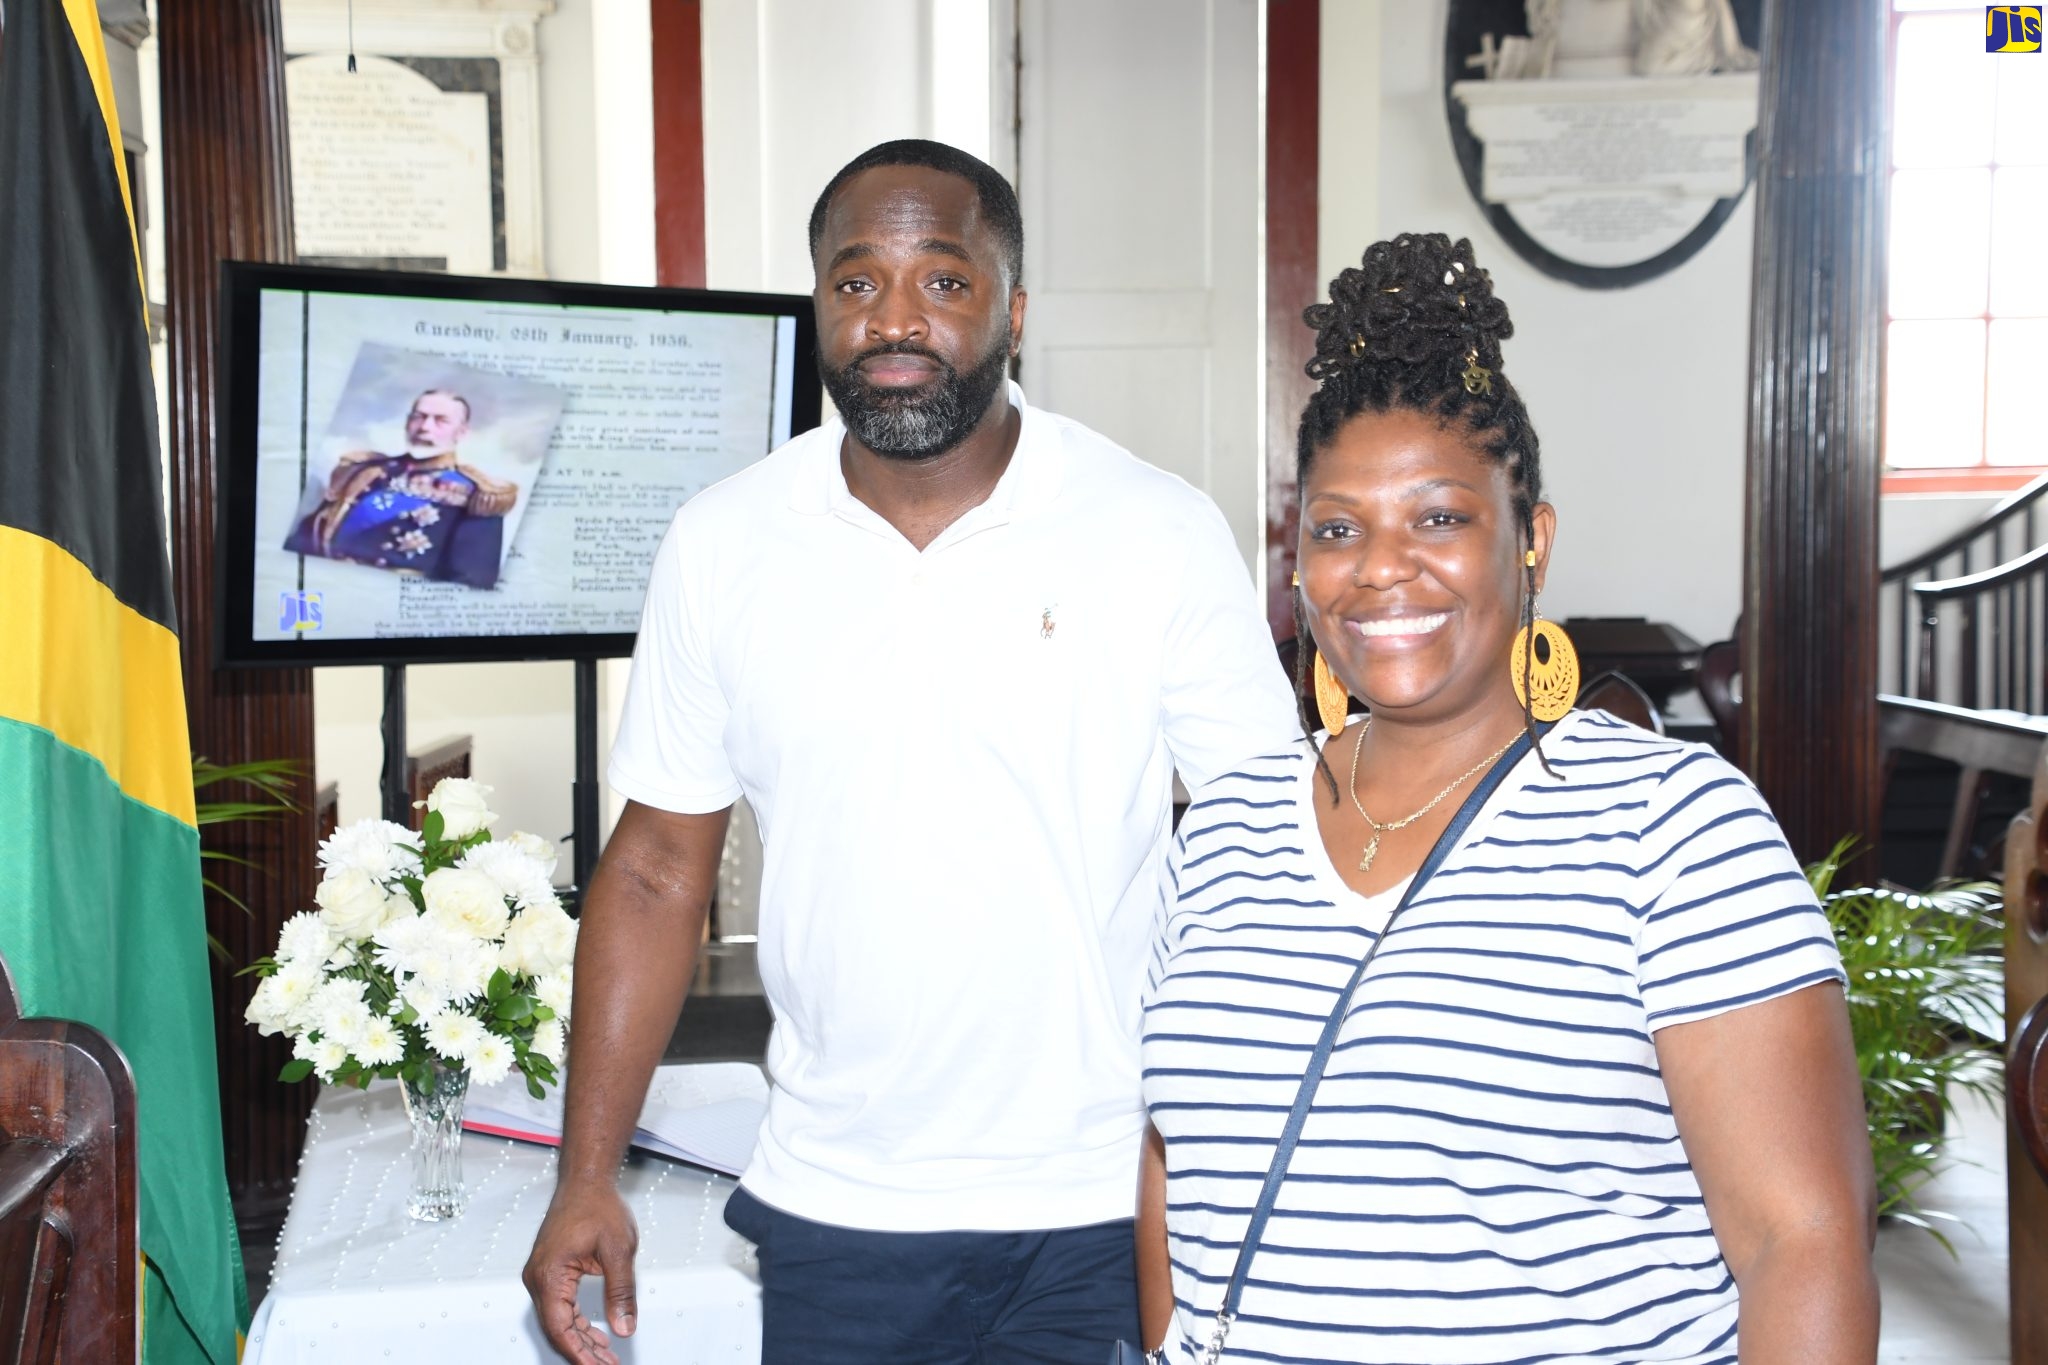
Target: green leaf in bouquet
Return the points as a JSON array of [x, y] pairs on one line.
[[408, 1015], [262, 966], [431, 827], [500, 987], [296, 1070], [514, 1008], [533, 1088], [541, 1013]]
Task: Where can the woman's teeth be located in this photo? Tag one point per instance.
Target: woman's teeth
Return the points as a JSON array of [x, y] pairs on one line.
[[1401, 625]]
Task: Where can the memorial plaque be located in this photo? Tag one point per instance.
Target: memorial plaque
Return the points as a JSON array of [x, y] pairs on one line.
[[1592, 172], [388, 168]]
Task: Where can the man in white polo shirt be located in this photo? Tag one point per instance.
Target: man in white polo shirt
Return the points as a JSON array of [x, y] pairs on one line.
[[951, 649]]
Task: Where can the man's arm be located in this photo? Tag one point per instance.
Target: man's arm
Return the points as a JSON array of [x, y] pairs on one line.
[[1155, 1268], [643, 920], [1771, 1114]]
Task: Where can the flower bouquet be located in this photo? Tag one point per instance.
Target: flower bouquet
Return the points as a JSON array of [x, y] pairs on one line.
[[437, 956]]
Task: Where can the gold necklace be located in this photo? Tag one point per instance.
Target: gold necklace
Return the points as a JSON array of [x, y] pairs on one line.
[[1372, 848]]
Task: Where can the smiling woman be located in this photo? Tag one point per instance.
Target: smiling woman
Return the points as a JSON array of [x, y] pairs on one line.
[[1596, 1097]]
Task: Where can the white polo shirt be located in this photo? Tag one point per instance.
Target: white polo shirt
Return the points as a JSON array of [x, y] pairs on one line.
[[962, 763]]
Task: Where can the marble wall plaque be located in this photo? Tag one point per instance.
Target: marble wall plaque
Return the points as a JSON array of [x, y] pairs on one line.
[[385, 165]]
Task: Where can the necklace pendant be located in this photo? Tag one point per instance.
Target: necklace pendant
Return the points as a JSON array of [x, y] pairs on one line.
[[1372, 851]]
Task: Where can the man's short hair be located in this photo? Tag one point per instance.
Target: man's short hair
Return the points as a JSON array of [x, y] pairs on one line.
[[468, 414], [998, 200]]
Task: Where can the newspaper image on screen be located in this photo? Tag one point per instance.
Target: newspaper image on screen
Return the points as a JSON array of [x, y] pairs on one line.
[[427, 468], [455, 468]]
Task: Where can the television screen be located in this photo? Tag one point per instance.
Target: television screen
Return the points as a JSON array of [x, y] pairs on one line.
[[428, 468]]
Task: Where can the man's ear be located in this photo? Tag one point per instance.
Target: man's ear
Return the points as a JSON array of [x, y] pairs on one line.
[[1017, 302]]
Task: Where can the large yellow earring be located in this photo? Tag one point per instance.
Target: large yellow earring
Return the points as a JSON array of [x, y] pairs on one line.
[[1333, 699], [1552, 676]]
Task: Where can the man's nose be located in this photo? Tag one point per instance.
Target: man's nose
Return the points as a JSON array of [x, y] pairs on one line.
[[897, 315]]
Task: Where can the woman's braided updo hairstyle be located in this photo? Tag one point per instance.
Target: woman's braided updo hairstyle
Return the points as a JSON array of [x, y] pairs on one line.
[[1413, 325]]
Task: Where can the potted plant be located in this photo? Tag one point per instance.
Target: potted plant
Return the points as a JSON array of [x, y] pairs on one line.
[[1926, 987]]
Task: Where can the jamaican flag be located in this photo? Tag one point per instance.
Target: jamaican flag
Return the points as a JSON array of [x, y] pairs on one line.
[[100, 914]]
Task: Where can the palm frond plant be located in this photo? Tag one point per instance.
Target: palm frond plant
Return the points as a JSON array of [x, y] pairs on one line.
[[269, 783], [1926, 981]]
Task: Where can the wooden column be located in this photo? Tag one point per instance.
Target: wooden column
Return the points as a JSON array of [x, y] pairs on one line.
[[1809, 637], [676, 30], [1293, 103], [227, 195]]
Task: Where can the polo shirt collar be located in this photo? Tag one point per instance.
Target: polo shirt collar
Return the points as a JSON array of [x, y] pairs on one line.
[[1032, 480]]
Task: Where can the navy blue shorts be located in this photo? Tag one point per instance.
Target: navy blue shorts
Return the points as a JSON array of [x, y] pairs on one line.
[[847, 1296]]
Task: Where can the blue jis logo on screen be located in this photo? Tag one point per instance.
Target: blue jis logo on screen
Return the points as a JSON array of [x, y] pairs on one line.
[[2012, 28], [298, 612]]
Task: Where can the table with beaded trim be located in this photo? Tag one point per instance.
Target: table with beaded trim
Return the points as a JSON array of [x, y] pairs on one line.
[[357, 1280]]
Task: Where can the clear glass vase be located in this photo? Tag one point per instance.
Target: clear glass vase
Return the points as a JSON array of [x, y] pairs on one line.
[[435, 1109]]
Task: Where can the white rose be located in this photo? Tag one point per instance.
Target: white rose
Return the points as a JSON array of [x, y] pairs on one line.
[[465, 899], [540, 850], [378, 847], [460, 804], [550, 1040], [266, 1010], [305, 937], [490, 1061], [353, 903], [539, 942]]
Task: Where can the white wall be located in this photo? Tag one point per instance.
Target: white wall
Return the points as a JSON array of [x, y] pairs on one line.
[[1638, 395]]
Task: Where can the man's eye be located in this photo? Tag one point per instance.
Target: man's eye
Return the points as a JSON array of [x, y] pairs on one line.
[[852, 286], [947, 284]]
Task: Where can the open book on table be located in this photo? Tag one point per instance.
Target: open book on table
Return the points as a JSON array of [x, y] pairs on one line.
[[705, 1113]]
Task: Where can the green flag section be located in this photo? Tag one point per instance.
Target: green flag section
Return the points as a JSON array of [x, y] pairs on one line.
[[100, 912]]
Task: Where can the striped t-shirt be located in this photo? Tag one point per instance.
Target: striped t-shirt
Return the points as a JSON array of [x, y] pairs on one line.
[[1491, 1172]]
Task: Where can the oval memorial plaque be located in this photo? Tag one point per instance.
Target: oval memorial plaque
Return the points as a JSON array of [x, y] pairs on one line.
[[1606, 140]]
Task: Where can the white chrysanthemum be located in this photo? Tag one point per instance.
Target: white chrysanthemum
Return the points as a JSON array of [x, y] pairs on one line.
[[304, 938], [517, 875], [292, 991], [382, 849], [539, 942], [423, 995], [469, 969], [551, 1040], [336, 1010], [460, 804], [453, 1034], [382, 1043], [329, 1057], [304, 1048], [490, 1061], [352, 902], [542, 851], [466, 899], [554, 991]]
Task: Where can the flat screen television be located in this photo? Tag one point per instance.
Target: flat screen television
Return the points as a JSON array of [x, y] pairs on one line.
[[426, 468]]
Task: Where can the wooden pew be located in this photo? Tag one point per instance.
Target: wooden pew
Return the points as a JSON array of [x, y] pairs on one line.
[[1978, 743], [70, 1242], [2026, 1080]]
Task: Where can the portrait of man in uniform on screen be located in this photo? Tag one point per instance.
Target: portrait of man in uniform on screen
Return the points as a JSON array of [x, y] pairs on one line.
[[425, 510], [427, 468]]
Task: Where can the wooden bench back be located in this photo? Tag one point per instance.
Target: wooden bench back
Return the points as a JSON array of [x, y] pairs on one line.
[[70, 1251]]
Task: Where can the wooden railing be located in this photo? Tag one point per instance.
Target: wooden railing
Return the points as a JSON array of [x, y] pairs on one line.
[[1995, 663], [1969, 574]]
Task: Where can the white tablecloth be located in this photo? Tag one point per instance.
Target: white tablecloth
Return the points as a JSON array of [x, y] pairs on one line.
[[358, 1281]]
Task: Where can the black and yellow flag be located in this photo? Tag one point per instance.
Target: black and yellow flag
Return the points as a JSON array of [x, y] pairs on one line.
[[100, 912]]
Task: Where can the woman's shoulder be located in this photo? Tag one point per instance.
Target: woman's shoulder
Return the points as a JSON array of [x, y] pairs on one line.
[[1654, 782], [1264, 783]]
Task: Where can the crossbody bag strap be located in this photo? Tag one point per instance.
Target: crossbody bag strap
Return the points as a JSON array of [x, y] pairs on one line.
[[1304, 1098]]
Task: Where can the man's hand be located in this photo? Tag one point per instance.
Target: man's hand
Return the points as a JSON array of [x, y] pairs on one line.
[[642, 922], [587, 1232]]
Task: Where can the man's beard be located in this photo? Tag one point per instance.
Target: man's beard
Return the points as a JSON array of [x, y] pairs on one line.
[[926, 420]]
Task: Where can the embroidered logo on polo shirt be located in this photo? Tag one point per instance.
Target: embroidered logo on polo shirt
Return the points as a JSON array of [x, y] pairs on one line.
[[1046, 625]]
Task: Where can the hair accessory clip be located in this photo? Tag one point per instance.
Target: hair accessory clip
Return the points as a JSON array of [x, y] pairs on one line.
[[1358, 346], [1478, 379]]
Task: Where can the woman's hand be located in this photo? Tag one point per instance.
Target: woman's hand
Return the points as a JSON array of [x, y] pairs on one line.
[[1770, 1110]]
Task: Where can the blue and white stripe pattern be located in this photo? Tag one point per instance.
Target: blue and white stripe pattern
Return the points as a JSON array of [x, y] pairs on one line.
[[1491, 1172]]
